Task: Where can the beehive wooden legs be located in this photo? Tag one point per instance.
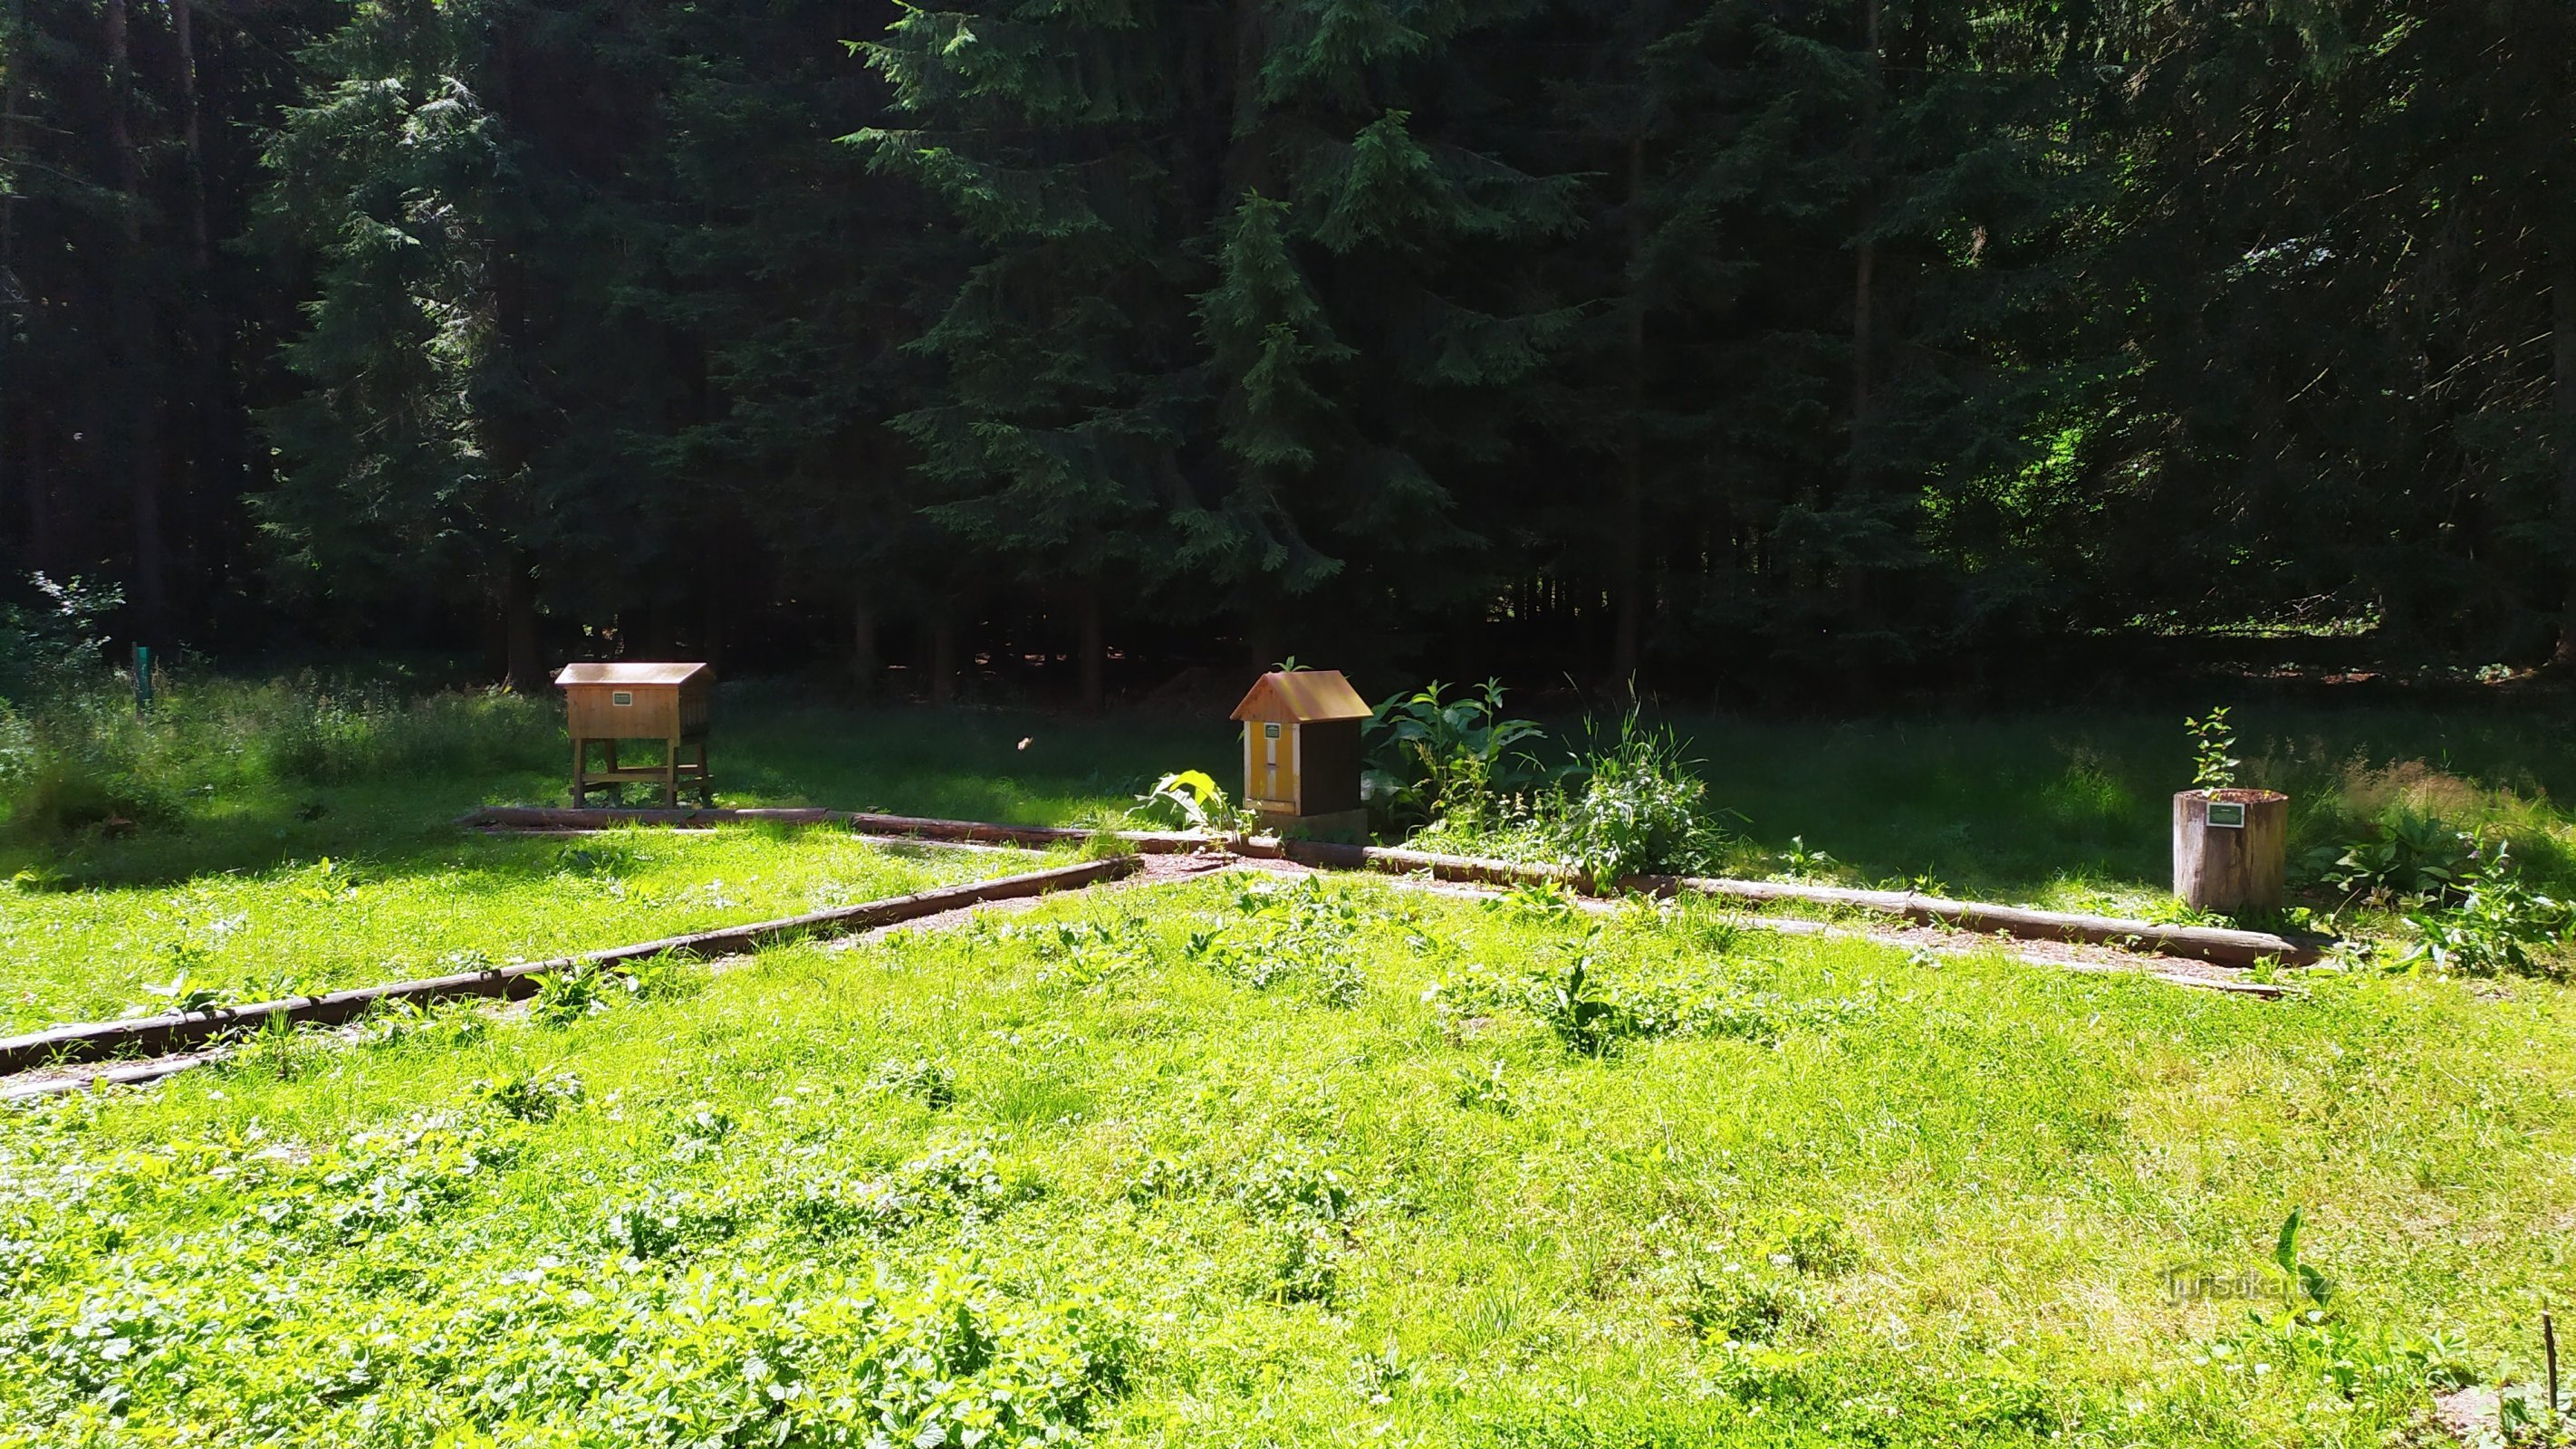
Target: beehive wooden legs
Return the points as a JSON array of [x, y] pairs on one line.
[[668, 774]]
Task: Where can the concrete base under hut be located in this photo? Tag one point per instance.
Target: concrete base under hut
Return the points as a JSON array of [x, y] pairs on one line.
[[1344, 827]]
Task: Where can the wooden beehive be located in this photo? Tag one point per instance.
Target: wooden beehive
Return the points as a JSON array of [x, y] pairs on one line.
[[670, 703], [1301, 753]]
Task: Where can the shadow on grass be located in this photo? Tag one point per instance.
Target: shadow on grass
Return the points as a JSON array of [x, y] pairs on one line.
[[2003, 807], [2009, 807], [963, 764]]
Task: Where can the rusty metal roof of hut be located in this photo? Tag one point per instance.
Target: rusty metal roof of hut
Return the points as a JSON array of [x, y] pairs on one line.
[[1306, 696], [629, 673]]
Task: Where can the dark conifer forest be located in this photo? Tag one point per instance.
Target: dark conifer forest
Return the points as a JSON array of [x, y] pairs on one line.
[[1806, 346]]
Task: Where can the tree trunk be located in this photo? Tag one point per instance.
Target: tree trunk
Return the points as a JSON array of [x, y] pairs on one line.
[[10, 139], [138, 429], [1628, 568], [39, 552], [506, 429], [2238, 863], [526, 664], [1865, 262], [1857, 583], [715, 621], [864, 663], [2562, 394], [214, 448], [943, 660], [1095, 649], [1261, 632], [10, 304], [182, 19]]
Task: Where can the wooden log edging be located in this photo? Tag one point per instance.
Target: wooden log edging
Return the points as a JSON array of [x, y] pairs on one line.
[[160, 1035], [1466, 869], [1799, 926], [128, 1074], [2224, 946], [2220, 945], [977, 832]]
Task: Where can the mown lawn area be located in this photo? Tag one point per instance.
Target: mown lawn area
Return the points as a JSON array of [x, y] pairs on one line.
[[266, 837], [436, 903], [2068, 807], [1248, 1162], [262, 837], [265, 840]]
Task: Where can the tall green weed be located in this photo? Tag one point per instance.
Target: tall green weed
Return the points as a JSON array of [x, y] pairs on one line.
[[1629, 804], [1434, 759], [83, 754], [1642, 807]]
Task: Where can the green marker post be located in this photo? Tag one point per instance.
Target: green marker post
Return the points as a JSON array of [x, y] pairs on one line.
[[142, 679]]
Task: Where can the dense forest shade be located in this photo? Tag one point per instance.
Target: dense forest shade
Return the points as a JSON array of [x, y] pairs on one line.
[[1861, 340]]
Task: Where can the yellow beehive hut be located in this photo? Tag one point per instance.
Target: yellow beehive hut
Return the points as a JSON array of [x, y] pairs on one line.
[[671, 703], [1301, 754]]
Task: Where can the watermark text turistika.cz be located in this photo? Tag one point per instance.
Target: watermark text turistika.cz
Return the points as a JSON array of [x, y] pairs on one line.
[[2230, 1288]]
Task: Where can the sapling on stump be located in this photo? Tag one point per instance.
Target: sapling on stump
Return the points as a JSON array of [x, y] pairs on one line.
[[2230, 844]]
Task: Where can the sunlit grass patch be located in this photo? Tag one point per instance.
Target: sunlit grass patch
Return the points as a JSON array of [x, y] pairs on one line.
[[1246, 1161], [452, 905]]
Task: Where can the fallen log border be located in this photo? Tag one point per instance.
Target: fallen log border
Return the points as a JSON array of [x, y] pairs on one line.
[[126, 1074], [976, 832], [162, 1035], [2220, 945], [1801, 926]]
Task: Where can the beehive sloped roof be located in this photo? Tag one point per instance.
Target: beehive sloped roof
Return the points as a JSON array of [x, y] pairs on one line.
[[629, 673], [1308, 696]]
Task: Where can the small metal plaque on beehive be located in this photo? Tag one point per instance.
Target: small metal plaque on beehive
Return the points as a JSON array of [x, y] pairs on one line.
[[621, 696], [1270, 732], [2224, 816]]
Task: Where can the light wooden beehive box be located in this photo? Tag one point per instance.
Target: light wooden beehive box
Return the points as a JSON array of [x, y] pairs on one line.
[[606, 703]]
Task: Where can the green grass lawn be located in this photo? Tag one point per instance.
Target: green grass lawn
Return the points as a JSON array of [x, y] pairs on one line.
[[262, 860], [212, 792], [238, 792], [1215, 1165], [434, 904], [2070, 807], [2073, 809]]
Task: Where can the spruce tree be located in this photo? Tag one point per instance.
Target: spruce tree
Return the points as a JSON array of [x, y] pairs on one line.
[[475, 376], [1239, 301], [793, 274], [1062, 383], [1710, 376], [407, 460]]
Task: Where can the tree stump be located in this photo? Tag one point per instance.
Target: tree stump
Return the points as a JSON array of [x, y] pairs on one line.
[[2230, 848]]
